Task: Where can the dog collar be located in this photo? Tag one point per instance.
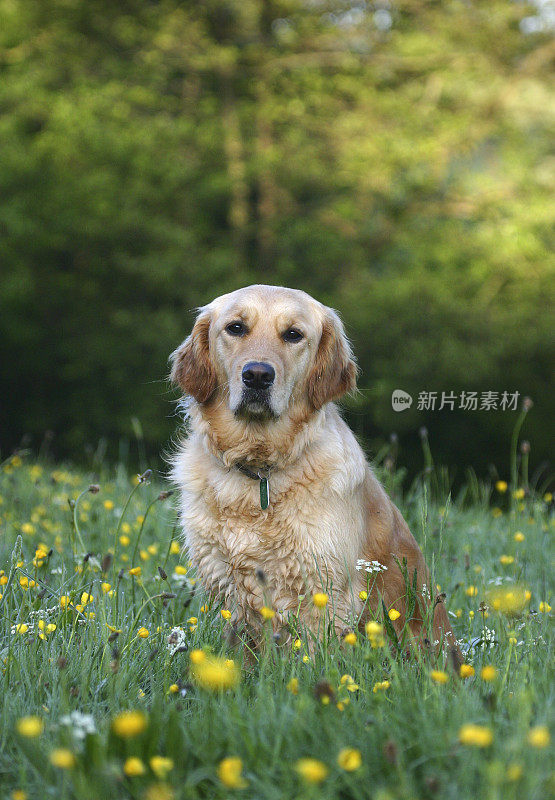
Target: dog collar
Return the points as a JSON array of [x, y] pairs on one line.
[[263, 476]]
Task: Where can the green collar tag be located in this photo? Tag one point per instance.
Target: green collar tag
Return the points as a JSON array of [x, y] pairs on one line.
[[264, 492], [264, 483]]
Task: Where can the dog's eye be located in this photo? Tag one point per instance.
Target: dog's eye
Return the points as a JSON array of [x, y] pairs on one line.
[[292, 335], [236, 329]]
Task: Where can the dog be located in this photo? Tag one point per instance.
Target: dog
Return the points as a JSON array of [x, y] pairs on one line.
[[277, 500]]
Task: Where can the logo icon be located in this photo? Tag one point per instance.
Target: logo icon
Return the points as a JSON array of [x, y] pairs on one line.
[[400, 400]]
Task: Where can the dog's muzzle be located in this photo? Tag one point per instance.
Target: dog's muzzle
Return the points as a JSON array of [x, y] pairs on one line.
[[258, 378]]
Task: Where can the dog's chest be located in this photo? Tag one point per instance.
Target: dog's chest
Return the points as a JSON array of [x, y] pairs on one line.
[[280, 551], [251, 537]]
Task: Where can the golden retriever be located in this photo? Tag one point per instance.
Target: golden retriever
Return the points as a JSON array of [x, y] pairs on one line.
[[277, 500]]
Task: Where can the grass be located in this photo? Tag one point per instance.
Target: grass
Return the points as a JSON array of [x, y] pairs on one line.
[[288, 706]]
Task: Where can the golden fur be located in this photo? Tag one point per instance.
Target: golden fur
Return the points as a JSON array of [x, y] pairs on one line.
[[327, 509]]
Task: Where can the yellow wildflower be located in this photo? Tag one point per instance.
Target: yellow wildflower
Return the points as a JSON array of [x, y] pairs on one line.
[[439, 676], [350, 638], [214, 674], [544, 607], [297, 644], [471, 591], [349, 759], [466, 671], [519, 494], [143, 633], [108, 505], [293, 686], [180, 569], [197, 656], [380, 686], [229, 773], [267, 613], [204, 609], [134, 767], [161, 765], [320, 599], [129, 724], [225, 613], [311, 770], [519, 536], [501, 486], [363, 595], [62, 758], [174, 548], [30, 727], [19, 794], [135, 571], [374, 632], [393, 614], [507, 599], [174, 688], [475, 735], [539, 736], [488, 673], [22, 628], [105, 587], [124, 540], [514, 772], [192, 621], [505, 560], [159, 791], [27, 528]]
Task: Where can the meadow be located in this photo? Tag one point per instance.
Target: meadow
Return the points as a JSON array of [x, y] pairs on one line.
[[118, 680]]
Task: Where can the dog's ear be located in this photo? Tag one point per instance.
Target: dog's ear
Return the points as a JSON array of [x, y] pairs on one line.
[[334, 371], [192, 368]]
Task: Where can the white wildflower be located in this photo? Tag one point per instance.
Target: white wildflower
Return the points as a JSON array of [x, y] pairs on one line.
[[486, 640], [500, 579], [44, 613], [81, 725], [370, 566], [177, 641]]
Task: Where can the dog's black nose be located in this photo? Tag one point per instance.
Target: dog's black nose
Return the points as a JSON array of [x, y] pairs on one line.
[[257, 375]]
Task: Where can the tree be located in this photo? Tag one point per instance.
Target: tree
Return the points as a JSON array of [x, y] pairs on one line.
[[391, 159]]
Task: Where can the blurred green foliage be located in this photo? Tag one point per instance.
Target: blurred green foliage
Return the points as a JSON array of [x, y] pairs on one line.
[[393, 159]]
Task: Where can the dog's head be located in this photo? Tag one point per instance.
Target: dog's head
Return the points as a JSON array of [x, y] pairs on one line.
[[263, 350]]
